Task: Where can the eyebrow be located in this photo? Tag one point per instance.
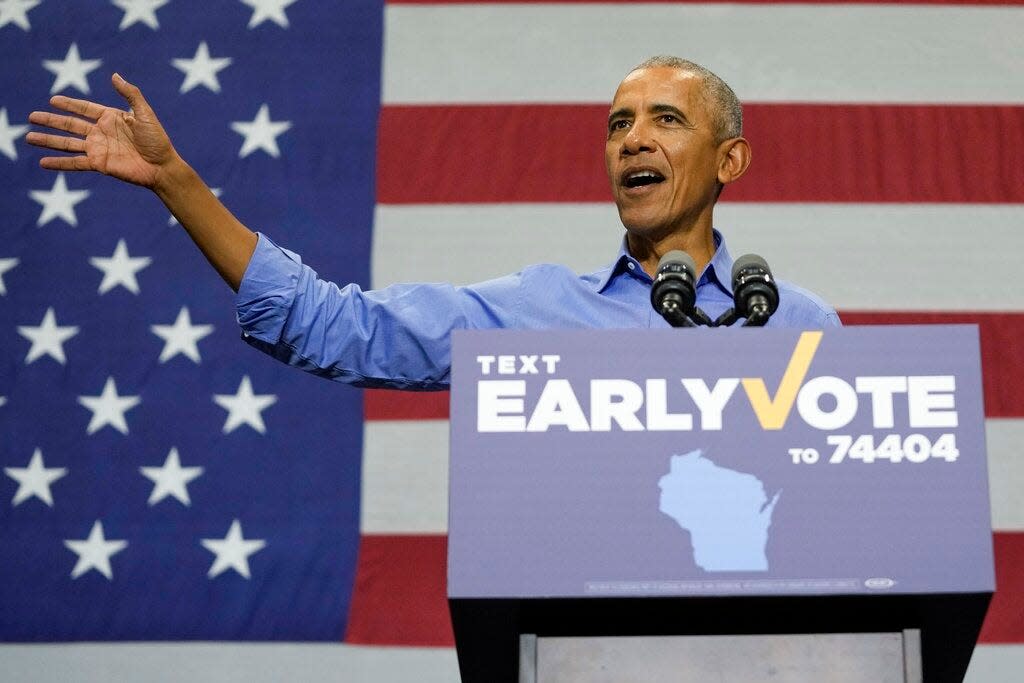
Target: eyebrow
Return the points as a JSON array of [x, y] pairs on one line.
[[669, 109], [619, 113]]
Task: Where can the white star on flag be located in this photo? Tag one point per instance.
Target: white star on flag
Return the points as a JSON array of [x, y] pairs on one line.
[[47, 338], [34, 480], [3, 401], [139, 10], [71, 71], [273, 10], [94, 552], [58, 202], [216, 191], [245, 407], [16, 12], [120, 268], [8, 134], [108, 408], [232, 552], [171, 479], [5, 265], [201, 69], [181, 337], [260, 133]]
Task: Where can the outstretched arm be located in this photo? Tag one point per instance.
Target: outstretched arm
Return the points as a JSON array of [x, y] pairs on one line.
[[132, 146]]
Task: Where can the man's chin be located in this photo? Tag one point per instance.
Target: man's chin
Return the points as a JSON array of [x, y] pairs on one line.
[[646, 227]]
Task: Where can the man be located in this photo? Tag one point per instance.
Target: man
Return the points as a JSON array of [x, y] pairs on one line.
[[674, 141]]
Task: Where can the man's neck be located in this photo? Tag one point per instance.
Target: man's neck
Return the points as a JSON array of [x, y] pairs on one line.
[[698, 243]]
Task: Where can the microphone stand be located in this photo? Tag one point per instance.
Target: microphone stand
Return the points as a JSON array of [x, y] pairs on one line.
[[758, 316], [727, 318], [672, 311]]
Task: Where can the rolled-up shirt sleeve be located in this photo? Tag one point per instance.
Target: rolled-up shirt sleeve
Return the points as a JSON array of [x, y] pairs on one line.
[[395, 337]]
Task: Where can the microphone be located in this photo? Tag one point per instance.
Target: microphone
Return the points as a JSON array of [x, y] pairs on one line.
[[754, 291], [674, 291]]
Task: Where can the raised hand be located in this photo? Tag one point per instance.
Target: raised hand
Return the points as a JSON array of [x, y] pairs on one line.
[[129, 145], [133, 146]]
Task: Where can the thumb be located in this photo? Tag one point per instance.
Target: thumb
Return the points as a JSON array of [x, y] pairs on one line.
[[131, 93]]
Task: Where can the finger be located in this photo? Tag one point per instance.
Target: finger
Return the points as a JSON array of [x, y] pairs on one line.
[[70, 124], [61, 143], [131, 93], [79, 163], [85, 108]]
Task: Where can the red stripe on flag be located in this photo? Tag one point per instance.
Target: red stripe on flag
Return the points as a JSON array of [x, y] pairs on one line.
[[384, 404], [1002, 366], [400, 595], [802, 153], [400, 598], [1005, 620]]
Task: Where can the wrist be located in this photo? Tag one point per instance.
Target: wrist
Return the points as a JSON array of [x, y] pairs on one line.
[[173, 177]]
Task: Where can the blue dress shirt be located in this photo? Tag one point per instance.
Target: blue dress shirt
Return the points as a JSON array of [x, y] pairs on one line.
[[398, 337]]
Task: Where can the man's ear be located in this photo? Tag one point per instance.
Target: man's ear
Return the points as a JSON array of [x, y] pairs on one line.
[[735, 157]]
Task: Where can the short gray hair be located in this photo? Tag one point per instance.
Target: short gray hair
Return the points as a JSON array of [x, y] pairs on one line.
[[724, 105]]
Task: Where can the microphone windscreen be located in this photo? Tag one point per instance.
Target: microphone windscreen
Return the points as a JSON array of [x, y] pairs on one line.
[[678, 258], [748, 261]]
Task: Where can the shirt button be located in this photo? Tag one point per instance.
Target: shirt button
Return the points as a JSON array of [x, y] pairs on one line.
[[631, 265]]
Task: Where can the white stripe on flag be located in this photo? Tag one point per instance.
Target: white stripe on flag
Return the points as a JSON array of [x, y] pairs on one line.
[[996, 664], [767, 53], [405, 476], [301, 663], [1005, 440], [969, 247], [227, 663]]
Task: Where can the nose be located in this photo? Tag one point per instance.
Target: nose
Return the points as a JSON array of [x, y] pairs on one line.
[[638, 139]]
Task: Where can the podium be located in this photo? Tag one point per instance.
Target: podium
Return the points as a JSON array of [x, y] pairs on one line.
[[718, 504]]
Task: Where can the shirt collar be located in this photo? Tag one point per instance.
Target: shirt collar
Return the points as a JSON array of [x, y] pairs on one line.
[[624, 263], [718, 271]]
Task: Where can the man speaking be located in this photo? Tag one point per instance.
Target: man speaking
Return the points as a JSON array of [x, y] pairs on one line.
[[674, 142]]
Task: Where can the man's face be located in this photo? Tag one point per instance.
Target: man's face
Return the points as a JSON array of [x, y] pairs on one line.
[[661, 155]]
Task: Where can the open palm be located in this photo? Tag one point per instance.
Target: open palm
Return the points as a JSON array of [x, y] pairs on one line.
[[129, 145]]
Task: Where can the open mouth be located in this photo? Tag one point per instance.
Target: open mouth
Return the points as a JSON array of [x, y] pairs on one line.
[[640, 178]]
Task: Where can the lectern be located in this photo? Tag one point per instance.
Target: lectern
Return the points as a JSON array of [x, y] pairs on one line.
[[727, 504]]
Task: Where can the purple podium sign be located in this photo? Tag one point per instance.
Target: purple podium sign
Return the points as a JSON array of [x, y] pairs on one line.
[[636, 463]]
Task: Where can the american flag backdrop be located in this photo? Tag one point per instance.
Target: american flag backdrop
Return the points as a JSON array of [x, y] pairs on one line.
[[165, 482]]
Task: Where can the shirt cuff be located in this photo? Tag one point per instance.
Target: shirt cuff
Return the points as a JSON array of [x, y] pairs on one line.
[[267, 291]]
